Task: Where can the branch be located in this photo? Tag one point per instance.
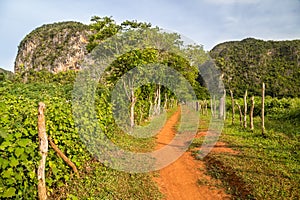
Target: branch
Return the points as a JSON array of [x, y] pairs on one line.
[[63, 156]]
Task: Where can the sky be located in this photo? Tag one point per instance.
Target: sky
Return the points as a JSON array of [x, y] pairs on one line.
[[206, 22]]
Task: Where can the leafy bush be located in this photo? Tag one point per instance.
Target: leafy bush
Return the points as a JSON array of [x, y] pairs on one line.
[[274, 107], [19, 139]]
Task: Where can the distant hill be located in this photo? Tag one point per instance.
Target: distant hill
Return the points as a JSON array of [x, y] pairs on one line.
[[54, 47], [5, 74], [246, 64]]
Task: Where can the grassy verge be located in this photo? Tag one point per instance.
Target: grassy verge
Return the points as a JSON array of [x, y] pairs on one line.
[[100, 182], [266, 167]]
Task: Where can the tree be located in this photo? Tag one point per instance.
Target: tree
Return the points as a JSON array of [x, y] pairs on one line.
[[136, 46], [102, 28]]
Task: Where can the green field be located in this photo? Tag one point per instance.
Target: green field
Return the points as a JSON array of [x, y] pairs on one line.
[[267, 167]]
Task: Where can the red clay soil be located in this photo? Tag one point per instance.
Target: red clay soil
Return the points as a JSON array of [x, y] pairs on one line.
[[220, 147], [186, 178]]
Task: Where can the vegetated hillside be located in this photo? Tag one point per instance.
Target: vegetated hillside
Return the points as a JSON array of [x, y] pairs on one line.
[[5, 74], [246, 64], [54, 47]]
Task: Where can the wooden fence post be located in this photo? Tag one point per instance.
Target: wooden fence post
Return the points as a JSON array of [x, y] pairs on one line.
[[241, 114], [232, 105], [245, 109], [263, 109], [251, 113], [215, 107], [224, 105], [43, 142]]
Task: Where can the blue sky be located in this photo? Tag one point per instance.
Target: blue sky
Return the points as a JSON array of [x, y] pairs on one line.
[[207, 22]]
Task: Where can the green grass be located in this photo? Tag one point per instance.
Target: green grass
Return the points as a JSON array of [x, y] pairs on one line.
[[266, 167], [100, 182]]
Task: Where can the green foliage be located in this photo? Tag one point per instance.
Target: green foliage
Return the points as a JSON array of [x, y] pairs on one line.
[[102, 29], [19, 140], [248, 63], [142, 59], [19, 145], [275, 108], [44, 76], [5, 75], [265, 167], [106, 27]]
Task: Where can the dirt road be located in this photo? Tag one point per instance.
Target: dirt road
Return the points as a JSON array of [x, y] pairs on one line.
[[185, 178]]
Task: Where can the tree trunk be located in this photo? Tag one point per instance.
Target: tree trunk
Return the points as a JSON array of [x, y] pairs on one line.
[[171, 104], [133, 101], [241, 114], [150, 109], [205, 103], [42, 193], [159, 100], [263, 109], [221, 108], [212, 108], [200, 107], [245, 109], [215, 107], [166, 102], [155, 102], [251, 113], [197, 106], [232, 105]]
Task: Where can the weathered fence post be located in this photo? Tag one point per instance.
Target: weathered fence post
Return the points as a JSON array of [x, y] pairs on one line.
[[241, 114], [245, 109], [215, 107], [232, 105], [263, 109], [43, 145], [251, 113], [224, 105]]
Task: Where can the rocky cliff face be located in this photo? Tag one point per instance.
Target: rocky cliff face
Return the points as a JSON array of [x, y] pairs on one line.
[[53, 47]]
